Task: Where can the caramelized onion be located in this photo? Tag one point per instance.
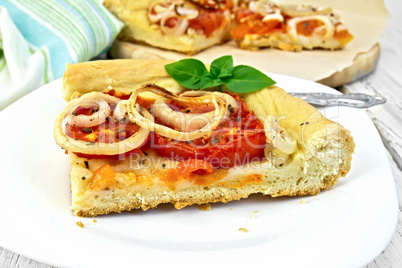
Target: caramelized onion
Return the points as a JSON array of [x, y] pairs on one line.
[[86, 147], [179, 120], [231, 103], [262, 7], [277, 136], [156, 11], [186, 12], [178, 29], [94, 119], [178, 10], [293, 10], [120, 112], [165, 131]]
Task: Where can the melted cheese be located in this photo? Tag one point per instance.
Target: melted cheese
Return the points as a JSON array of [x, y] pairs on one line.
[[152, 170]]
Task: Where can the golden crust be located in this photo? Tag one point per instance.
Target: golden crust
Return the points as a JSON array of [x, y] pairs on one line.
[[213, 196], [87, 203], [323, 156], [199, 196], [287, 43], [120, 75]]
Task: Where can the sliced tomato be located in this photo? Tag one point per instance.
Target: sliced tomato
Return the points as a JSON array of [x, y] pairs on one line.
[[207, 22], [171, 22], [237, 140], [119, 95], [307, 27], [138, 151], [107, 132], [194, 107], [240, 31], [251, 23], [237, 152], [241, 14], [228, 4], [343, 37]]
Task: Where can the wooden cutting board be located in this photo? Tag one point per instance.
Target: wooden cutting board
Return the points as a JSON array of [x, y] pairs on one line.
[[362, 65]]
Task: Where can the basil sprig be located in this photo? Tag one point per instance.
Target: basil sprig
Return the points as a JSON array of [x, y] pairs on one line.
[[192, 74]]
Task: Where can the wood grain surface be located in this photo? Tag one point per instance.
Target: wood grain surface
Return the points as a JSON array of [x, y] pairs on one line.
[[386, 81]]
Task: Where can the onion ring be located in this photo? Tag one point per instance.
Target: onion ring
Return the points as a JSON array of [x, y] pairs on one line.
[[186, 13], [232, 104], [86, 147], [277, 136], [186, 122], [178, 29], [94, 119], [159, 9], [120, 112], [145, 123]]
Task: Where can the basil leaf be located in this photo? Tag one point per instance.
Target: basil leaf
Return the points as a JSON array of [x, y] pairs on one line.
[[208, 80], [192, 74], [222, 67], [247, 79], [187, 72]]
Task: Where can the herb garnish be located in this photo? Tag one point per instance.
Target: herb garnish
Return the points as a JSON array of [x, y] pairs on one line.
[[193, 74], [87, 130], [215, 141]]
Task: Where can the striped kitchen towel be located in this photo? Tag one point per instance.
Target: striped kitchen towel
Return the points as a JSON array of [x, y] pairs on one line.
[[38, 38]]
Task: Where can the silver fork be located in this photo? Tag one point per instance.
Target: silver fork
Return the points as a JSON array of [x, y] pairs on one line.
[[357, 100]]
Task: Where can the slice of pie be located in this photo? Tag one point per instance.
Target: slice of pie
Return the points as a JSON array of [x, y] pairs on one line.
[[290, 27], [136, 139], [179, 25]]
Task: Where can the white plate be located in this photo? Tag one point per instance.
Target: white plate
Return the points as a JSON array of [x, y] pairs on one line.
[[346, 226]]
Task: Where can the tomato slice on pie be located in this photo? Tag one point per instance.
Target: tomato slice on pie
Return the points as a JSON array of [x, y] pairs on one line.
[[238, 139], [288, 27]]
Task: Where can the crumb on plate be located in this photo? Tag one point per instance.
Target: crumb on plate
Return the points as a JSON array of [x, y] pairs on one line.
[[253, 214], [205, 207]]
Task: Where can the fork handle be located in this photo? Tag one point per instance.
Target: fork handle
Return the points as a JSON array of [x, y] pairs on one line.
[[357, 100]]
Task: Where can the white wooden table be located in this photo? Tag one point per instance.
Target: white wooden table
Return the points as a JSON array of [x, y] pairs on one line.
[[385, 81]]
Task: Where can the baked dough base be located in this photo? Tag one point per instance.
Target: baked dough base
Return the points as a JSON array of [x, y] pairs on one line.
[[299, 177], [287, 43]]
